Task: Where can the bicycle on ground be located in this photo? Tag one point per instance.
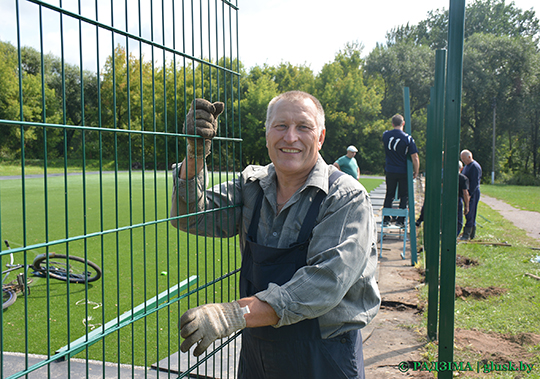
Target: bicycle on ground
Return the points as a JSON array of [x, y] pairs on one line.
[[58, 266]]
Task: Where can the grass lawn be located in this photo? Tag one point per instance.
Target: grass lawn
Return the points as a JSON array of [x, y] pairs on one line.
[[521, 197], [54, 166], [370, 184], [518, 309], [140, 254]]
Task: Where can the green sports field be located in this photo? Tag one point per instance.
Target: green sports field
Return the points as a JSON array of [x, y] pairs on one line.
[[124, 216]]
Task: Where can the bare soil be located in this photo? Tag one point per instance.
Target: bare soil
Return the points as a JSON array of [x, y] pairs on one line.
[[465, 262], [396, 334], [479, 293]]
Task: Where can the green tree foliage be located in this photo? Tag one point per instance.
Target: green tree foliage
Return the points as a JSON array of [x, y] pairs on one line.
[[127, 103], [8, 85], [146, 96], [37, 100], [499, 70], [134, 94], [352, 108], [531, 121], [404, 65], [500, 62], [351, 103], [494, 17], [259, 86], [260, 90]]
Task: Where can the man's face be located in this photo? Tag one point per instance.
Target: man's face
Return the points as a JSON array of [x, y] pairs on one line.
[[351, 154], [466, 159], [293, 138]]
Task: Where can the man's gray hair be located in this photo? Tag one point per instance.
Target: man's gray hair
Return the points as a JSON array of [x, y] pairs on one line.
[[467, 153], [293, 96]]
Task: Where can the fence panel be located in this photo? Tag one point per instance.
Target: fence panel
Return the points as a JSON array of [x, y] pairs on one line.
[[92, 101]]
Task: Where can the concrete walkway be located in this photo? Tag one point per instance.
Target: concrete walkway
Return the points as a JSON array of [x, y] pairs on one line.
[[14, 363], [392, 337], [526, 220]]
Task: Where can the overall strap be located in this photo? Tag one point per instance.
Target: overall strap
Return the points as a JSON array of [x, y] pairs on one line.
[[309, 220], [311, 216], [252, 231]]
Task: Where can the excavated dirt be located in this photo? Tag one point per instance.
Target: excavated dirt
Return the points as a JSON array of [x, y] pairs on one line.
[[479, 293], [395, 336], [465, 262], [496, 348]]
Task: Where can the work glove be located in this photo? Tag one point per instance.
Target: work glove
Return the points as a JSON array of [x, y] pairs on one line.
[[206, 323], [202, 120]]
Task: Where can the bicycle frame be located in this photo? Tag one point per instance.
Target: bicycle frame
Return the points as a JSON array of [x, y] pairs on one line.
[[11, 266]]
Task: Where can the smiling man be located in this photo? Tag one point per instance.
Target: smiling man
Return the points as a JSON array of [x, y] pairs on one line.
[[308, 240]]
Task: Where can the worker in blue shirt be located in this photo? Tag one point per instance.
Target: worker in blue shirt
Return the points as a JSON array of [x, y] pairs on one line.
[[397, 146], [473, 171]]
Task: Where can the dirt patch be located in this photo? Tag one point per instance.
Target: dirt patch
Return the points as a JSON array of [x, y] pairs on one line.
[[479, 293], [465, 262], [497, 348], [523, 339], [399, 306], [412, 274]]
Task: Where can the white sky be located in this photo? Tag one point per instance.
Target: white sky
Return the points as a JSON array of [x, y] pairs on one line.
[[312, 32], [307, 32]]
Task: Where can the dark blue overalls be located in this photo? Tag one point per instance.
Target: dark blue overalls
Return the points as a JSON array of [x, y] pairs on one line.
[[292, 351]]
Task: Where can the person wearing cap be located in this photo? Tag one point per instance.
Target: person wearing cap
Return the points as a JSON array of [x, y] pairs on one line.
[[348, 164]]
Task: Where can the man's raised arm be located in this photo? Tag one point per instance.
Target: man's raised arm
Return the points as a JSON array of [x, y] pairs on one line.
[[201, 120]]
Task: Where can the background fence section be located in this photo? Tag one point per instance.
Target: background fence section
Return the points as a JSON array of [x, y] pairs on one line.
[[93, 98]]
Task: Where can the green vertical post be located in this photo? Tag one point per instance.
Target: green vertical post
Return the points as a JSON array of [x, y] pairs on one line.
[[410, 185], [432, 211], [454, 79], [428, 240]]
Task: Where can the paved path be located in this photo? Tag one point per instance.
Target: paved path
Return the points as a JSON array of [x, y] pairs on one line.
[[526, 220]]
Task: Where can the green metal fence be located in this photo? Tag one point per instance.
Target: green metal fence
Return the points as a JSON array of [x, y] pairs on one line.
[[93, 95]]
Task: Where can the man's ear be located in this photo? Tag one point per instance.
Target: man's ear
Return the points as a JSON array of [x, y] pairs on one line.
[[322, 136]]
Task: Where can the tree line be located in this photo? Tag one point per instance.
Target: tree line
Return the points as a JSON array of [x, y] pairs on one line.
[[501, 73]]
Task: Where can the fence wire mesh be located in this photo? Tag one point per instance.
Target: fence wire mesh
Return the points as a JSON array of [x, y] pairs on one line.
[[93, 97]]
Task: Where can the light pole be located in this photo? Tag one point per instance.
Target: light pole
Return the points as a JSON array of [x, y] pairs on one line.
[[493, 152]]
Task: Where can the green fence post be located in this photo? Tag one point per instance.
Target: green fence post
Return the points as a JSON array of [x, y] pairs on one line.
[[456, 28], [410, 185], [428, 219], [432, 211]]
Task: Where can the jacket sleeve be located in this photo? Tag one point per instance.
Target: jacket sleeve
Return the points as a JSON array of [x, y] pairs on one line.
[[214, 212]]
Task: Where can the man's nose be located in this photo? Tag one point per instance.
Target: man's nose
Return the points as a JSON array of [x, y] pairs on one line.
[[291, 135]]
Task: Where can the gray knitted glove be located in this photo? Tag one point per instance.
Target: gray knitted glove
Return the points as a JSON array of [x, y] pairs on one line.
[[207, 323], [202, 120]]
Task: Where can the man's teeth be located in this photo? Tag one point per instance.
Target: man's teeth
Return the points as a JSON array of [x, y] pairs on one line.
[[290, 150]]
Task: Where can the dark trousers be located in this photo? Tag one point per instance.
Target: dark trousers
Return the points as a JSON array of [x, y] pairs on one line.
[[301, 356], [473, 208], [393, 180], [460, 215]]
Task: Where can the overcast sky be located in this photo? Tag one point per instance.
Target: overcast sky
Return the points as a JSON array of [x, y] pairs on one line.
[[308, 32], [312, 32]]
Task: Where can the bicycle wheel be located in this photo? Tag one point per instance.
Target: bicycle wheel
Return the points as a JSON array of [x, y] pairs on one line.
[[74, 269], [8, 297]]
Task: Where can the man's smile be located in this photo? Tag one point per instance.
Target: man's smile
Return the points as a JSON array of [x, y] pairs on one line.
[[289, 150]]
